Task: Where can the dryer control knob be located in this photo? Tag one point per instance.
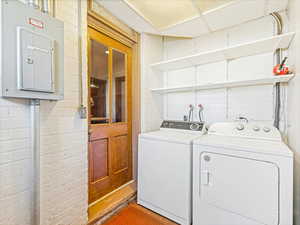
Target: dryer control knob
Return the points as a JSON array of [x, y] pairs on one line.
[[256, 128], [267, 129], [240, 127]]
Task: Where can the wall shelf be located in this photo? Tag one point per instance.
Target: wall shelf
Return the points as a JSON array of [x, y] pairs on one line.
[[226, 84], [247, 49]]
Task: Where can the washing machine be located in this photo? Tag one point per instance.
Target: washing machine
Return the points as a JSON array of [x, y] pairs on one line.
[[165, 169], [243, 175]]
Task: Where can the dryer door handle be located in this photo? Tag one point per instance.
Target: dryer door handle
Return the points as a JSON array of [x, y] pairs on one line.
[[204, 177]]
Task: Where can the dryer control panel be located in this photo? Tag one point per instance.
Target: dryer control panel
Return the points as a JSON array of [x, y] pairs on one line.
[[247, 130]]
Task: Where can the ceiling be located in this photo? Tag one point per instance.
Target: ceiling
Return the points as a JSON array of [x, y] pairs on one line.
[[188, 18]]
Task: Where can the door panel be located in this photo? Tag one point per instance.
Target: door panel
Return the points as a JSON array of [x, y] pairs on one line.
[[120, 154], [235, 185], [110, 156], [99, 159]]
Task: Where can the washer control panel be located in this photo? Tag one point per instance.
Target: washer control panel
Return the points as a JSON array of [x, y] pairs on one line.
[[182, 125], [244, 129]]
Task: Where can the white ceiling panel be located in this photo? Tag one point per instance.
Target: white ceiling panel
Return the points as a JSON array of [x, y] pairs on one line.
[[164, 13], [233, 14], [205, 5], [189, 18], [276, 5], [191, 28], [125, 13]]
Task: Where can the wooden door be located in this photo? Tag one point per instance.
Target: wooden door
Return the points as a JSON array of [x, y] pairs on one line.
[[110, 155]]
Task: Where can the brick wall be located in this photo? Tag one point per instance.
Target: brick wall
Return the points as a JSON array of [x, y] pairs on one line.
[[63, 144]]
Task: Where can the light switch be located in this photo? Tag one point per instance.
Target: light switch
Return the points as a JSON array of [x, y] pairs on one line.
[[35, 61]]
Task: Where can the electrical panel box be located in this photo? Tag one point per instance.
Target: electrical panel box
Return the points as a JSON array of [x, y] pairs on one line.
[[32, 53]]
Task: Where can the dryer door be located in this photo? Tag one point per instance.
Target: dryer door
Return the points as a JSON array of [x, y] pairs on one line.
[[240, 186]]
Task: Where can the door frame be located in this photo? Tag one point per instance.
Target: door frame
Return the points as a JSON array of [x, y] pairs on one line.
[[132, 40]]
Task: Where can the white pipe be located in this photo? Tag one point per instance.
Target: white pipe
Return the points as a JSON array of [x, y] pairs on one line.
[[79, 24], [33, 3], [279, 25], [35, 140], [45, 6], [82, 108]]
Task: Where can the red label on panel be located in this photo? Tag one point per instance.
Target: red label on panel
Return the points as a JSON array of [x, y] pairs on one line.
[[36, 23]]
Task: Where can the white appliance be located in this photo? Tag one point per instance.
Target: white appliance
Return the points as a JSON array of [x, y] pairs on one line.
[[165, 169], [242, 175]]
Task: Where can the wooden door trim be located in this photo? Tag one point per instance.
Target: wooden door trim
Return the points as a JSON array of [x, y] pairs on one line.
[[103, 28]]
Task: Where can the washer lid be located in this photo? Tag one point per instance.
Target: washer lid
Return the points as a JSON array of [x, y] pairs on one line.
[[245, 144], [172, 136]]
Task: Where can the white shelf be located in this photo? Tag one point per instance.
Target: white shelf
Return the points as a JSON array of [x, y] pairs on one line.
[[251, 48], [225, 84]]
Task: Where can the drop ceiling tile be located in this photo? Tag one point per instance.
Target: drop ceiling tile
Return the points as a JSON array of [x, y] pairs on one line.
[[180, 18], [205, 5], [125, 13], [191, 28], [233, 14], [163, 13], [276, 5]]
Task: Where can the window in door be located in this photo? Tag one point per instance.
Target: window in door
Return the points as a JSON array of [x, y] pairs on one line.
[[119, 104], [99, 83]]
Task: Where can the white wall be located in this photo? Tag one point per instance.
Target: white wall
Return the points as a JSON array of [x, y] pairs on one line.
[[151, 105], [294, 103], [63, 145], [256, 103]]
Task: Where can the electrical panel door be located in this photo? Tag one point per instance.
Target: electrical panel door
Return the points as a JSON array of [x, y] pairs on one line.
[[32, 53], [35, 61]]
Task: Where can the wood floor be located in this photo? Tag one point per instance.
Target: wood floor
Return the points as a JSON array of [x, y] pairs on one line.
[[137, 215]]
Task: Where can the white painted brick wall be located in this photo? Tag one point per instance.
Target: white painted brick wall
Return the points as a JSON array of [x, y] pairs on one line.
[[293, 103], [151, 106], [64, 172]]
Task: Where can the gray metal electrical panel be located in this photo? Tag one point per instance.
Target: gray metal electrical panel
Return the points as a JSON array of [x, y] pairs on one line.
[[32, 53]]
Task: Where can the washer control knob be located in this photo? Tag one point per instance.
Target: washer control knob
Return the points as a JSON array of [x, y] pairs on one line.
[[206, 158], [240, 127], [256, 128], [267, 129], [194, 126]]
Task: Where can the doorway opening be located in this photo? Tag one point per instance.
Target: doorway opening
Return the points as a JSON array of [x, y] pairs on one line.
[[110, 120]]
